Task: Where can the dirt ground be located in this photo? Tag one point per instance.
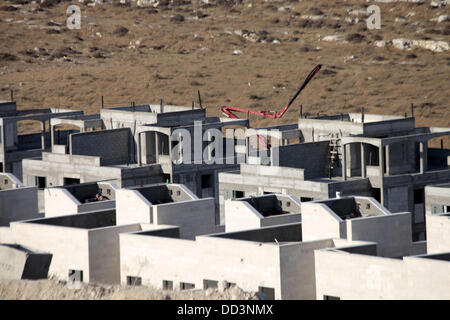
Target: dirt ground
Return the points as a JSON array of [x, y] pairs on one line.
[[127, 53], [251, 54], [58, 290]]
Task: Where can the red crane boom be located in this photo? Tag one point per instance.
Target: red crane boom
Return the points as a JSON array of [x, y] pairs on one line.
[[228, 111]]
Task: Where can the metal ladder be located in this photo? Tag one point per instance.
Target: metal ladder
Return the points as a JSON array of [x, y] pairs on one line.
[[333, 153]]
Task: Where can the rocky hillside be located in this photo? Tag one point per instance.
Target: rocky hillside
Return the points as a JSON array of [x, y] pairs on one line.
[[241, 53]]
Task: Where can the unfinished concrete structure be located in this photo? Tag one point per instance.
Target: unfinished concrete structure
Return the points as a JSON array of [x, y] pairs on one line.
[[132, 146], [262, 211], [277, 260], [363, 275], [17, 262], [86, 244], [86, 241], [17, 202], [85, 197], [167, 204], [14, 146], [273, 234], [386, 157], [437, 199]]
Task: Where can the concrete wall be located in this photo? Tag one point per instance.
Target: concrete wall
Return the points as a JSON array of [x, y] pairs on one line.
[[297, 268], [94, 250], [313, 157], [112, 146], [194, 217], [367, 277], [104, 252], [240, 215], [56, 167], [428, 278], [248, 264], [59, 201], [392, 233], [437, 198], [356, 276], [69, 246], [18, 263], [18, 204], [132, 207], [319, 222], [438, 233]]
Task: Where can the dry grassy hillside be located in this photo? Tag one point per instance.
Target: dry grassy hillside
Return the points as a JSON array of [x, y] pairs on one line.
[[128, 53]]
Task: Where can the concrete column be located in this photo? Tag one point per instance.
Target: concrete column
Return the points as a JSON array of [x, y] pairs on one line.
[[363, 162], [344, 162], [43, 135], [247, 149], [52, 135], [381, 161], [139, 155], [387, 161], [3, 146], [156, 147], [423, 156]]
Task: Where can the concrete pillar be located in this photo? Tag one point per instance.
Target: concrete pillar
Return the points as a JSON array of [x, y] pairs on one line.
[[387, 161], [156, 147], [363, 161], [139, 155], [247, 149], [423, 156], [3, 146], [43, 135], [52, 134], [344, 162], [381, 161]]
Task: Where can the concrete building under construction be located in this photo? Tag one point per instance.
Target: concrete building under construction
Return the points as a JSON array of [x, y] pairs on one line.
[[350, 206]]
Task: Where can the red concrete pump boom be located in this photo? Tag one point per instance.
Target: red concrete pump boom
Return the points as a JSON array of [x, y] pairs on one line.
[[228, 111]]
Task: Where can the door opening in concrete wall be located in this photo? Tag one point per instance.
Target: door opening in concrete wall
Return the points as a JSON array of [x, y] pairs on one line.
[[238, 194], [167, 285], [331, 298], [268, 292], [376, 194], [163, 144], [186, 286], [206, 181], [209, 284], [41, 182], [166, 177], [69, 181], [134, 281], [75, 275], [419, 196]]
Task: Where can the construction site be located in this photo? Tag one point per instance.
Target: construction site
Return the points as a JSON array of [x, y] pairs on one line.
[[223, 201]]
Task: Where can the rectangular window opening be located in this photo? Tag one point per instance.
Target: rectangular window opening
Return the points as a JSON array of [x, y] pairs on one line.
[[186, 286], [209, 284], [41, 182], [134, 281], [167, 285]]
